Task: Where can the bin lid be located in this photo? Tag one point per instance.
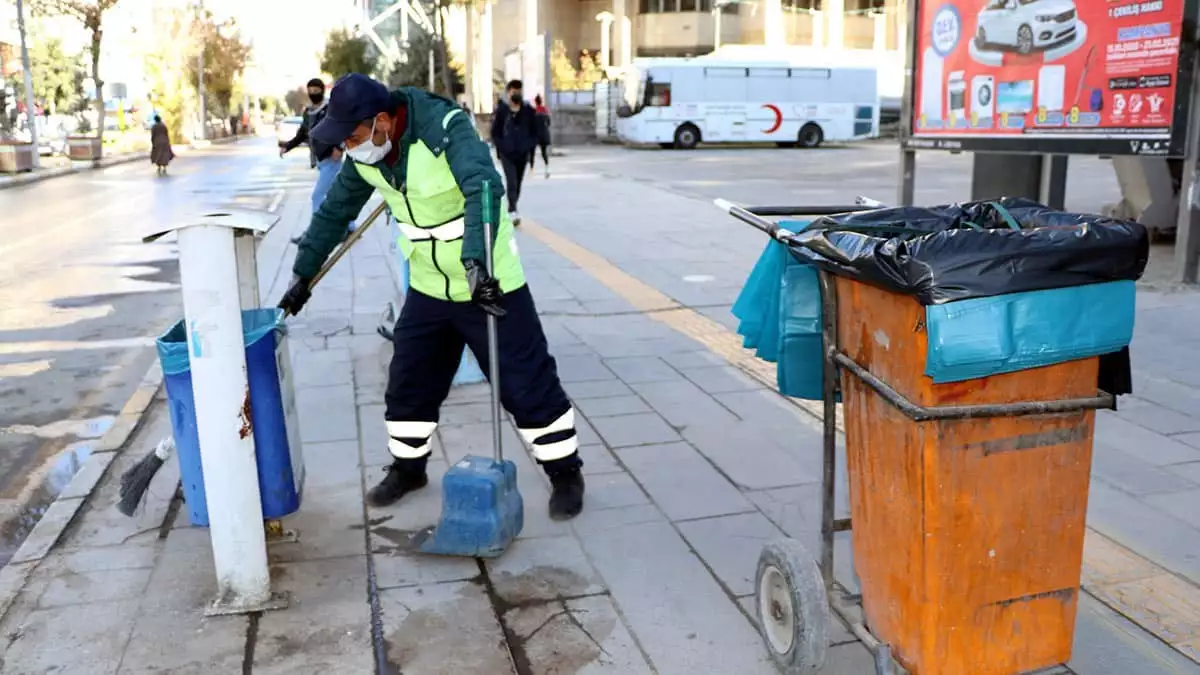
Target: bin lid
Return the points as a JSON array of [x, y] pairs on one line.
[[242, 221]]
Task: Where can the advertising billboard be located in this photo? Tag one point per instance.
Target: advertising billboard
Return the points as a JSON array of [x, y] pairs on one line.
[[1099, 77]]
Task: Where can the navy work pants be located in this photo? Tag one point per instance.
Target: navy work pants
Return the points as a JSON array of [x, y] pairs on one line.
[[429, 339]]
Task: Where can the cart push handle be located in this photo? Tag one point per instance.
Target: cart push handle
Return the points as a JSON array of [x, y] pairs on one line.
[[754, 215]]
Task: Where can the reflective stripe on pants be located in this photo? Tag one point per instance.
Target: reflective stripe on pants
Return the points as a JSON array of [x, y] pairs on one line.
[[409, 440]]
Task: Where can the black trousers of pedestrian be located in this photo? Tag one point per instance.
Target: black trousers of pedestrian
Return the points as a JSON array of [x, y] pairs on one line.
[[514, 173], [429, 339]]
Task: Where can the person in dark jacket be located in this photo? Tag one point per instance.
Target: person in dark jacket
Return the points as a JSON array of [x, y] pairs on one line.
[[515, 136], [161, 153], [543, 142], [325, 158], [423, 155]]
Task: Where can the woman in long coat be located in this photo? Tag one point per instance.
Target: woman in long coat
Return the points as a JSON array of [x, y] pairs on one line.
[[160, 146]]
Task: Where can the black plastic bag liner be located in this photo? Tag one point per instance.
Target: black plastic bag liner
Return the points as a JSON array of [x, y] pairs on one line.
[[974, 250]]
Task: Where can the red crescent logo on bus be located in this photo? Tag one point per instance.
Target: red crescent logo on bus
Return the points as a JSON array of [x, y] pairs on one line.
[[778, 119]]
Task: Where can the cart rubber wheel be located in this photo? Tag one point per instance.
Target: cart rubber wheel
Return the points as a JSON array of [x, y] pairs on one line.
[[792, 607]]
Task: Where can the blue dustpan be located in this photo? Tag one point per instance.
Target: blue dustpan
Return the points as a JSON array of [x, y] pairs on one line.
[[482, 511]]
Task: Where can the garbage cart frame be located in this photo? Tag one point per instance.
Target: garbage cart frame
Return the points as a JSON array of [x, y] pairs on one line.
[[839, 599]]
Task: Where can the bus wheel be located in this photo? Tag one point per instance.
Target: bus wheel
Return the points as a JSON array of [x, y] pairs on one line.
[[687, 137], [810, 136]]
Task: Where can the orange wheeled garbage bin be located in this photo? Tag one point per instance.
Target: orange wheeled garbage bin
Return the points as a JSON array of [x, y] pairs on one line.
[[968, 533]]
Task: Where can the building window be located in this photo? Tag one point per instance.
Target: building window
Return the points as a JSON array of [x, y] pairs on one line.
[[801, 5], [864, 6], [672, 6]]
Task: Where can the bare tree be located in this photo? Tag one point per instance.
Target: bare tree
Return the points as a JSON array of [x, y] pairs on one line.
[[90, 13]]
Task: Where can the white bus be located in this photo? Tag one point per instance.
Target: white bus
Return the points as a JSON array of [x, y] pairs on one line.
[[681, 103]]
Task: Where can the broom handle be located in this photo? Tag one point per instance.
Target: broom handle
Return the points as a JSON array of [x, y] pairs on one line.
[[493, 336], [345, 247]]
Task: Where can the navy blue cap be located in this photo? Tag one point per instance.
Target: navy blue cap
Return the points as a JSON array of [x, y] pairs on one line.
[[354, 98]]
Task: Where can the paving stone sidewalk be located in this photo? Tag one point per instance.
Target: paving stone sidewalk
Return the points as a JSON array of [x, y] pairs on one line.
[[691, 467]]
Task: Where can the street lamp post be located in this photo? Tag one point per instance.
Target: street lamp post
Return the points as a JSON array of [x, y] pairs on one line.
[[30, 111]]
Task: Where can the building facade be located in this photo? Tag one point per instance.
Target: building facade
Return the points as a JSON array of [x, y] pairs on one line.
[[688, 27]]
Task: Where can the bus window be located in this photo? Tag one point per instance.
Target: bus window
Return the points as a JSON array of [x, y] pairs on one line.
[[767, 84], [658, 94], [727, 85]]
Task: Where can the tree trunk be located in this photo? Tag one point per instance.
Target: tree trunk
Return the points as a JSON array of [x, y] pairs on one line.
[[447, 78], [96, 34]]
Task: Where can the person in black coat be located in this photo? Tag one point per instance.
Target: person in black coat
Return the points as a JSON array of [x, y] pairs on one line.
[[515, 136]]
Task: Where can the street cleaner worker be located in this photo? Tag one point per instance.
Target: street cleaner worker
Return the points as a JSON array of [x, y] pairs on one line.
[[423, 154]]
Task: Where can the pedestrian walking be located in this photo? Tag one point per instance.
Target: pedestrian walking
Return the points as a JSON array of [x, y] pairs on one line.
[[425, 157], [515, 137], [326, 158], [234, 120], [543, 139], [161, 153]]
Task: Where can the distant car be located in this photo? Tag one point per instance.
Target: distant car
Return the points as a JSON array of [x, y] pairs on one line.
[[286, 128], [50, 141], [1026, 25]]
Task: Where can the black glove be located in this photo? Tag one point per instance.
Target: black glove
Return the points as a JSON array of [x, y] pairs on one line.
[[485, 290], [297, 294]]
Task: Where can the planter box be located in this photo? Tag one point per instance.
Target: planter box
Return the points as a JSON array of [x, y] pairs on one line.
[[85, 150], [16, 157]]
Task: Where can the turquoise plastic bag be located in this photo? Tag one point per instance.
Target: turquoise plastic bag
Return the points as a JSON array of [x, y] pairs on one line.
[[256, 324], [757, 306], [979, 337], [779, 314], [800, 368]]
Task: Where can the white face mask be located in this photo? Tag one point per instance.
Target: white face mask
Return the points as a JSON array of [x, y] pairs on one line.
[[367, 152]]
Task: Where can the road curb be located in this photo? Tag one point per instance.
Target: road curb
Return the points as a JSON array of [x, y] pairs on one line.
[[103, 163], [30, 178], [62, 511]]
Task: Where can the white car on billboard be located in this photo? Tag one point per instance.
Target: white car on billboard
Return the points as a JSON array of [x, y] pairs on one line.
[[1026, 25]]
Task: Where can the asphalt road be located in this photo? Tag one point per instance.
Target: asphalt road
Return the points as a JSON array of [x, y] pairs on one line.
[[82, 298]]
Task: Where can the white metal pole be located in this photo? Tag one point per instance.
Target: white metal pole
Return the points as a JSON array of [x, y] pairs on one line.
[[30, 104], [432, 68], [717, 26], [212, 311]]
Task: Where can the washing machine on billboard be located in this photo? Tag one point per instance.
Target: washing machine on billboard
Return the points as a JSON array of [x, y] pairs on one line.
[[983, 97]]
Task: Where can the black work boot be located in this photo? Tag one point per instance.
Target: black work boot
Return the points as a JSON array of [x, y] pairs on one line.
[[566, 479], [403, 476]]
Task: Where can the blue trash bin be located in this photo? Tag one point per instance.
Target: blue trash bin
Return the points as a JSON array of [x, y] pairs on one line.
[[272, 412]]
